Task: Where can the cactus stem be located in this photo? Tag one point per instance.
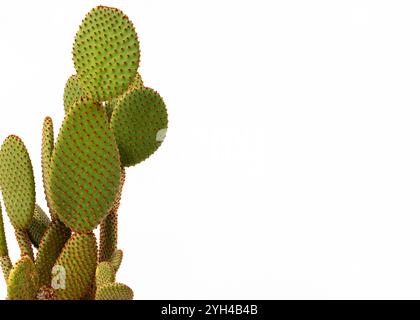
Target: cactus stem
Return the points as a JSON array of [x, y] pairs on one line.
[[109, 227], [24, 243]]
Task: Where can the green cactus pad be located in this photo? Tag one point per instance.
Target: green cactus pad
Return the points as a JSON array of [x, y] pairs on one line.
[[105, 274], [17, 182], [139, 122], [85, 168], [114, 291], [47, 148], [78, 260], [53, 241], [38, 225], [6, 266], [3, 243], [22, 283], [73, 92], [106, 53], [116, 259]]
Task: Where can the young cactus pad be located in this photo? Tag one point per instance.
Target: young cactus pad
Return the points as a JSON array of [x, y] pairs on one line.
[[106, 53], [139, 121], [73, 92], [17, 182], [111, 121]]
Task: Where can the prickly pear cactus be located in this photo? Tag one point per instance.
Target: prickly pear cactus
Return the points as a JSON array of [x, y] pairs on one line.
[[112, 121]]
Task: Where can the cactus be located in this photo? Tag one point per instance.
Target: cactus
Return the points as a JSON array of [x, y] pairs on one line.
[[112, 121]]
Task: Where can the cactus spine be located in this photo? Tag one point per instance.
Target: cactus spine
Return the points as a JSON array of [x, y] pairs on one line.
[[112, 121]]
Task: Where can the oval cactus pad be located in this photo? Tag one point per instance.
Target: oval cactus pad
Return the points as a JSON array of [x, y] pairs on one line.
[[74, 271], [85, 168], [17, 182], [139, 122], [106, 53]]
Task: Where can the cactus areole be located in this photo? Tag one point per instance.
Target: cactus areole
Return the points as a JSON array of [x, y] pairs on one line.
[[112, 121]]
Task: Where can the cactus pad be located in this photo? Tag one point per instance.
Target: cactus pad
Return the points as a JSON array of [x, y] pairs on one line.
[[22, 283], [73, 92], [47, 148], [17, 182], [138, 121], [38, 225], [106, 53], [105, 274], [116, 259], [85, 168], [78, 260], [52, 243], [114, 291]]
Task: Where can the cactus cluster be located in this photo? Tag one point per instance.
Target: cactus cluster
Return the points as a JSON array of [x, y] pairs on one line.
[[112, 121]]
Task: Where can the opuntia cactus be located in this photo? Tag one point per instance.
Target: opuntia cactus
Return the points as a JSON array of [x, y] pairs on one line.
[[112, 121]]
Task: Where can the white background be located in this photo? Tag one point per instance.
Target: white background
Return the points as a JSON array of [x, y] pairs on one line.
[[291, 168]]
